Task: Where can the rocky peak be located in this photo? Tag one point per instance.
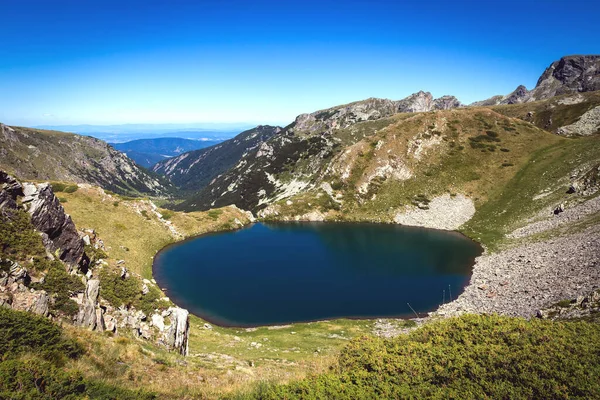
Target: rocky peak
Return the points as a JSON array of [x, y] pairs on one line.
[[416, 102], [446, 103], [519, 95], [570, 74], [576, 73]]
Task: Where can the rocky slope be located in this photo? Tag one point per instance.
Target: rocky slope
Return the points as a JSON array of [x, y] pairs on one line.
[[285, 164], [64, 283], [49, 155], [570, 74], [195, 169]]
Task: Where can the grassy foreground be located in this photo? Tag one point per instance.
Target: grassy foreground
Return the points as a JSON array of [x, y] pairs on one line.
[[470, 357]]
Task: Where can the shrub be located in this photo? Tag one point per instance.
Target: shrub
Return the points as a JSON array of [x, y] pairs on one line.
[[21, 332], [215, 214], [58, 187], [167, 214], [467, 357], [118, 291], [61, 285], [18, 239]]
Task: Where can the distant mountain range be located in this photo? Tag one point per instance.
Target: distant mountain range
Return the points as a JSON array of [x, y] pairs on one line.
[[127, 132], [147, 152]]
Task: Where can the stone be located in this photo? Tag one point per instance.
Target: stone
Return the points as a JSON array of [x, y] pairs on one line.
[[87, 316], [158, 321], [177, 334]]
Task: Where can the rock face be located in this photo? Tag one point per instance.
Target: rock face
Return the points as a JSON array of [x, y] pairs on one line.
[[177, 334], [45, 155], [571, 74], [10, 189], [57, 227]]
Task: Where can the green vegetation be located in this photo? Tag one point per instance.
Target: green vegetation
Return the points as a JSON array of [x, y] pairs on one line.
[[33, 353], [59, 187], [60, 285], [18, 239], [470, 357], [546, 172]]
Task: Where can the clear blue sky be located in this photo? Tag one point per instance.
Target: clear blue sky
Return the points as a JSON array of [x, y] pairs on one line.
[[108, 62]]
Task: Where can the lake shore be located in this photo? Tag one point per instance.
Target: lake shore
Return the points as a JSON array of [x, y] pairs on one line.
[[522, 280]]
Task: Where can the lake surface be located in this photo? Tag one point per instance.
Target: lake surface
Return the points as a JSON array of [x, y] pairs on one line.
[[269, 274]]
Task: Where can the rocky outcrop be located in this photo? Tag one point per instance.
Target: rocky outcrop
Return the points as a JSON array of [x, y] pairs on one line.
[[58, 230], [177, 334], [89, 315], [10, 190], [15, 293], [571, 74]]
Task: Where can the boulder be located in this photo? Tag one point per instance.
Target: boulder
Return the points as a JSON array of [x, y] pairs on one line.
[[88, 316], [177, 334]]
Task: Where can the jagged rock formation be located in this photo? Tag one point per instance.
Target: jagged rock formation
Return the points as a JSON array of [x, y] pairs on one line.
[[570, 74], [48, 155], [20, 291], [195, 169], [10, 189], [58, 230]]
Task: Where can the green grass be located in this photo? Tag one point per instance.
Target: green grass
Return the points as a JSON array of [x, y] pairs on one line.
[[547, 171], [470, 357]]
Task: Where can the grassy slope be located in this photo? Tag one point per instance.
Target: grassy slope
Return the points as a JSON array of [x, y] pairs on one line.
[[546, 173], [453, 159], [550, 114]]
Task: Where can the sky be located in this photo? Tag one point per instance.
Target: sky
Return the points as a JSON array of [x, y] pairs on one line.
[[117, 62]]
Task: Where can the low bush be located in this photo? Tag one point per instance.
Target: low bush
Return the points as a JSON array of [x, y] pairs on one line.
[[18, 239], [61, 285], [470, 357]]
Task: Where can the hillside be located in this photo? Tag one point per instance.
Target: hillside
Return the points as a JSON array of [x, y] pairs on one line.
[[49, 155], [301, 149], [147, 152], [193, 170]]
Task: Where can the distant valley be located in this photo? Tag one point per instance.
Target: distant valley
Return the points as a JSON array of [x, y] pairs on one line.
[[147, 152]]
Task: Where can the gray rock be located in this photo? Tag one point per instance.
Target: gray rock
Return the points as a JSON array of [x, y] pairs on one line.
[[58, 230], [88, 316], [10, 190], [177, 334]]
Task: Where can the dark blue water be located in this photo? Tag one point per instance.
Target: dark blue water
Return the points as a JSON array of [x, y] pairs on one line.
[[280, 273]]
